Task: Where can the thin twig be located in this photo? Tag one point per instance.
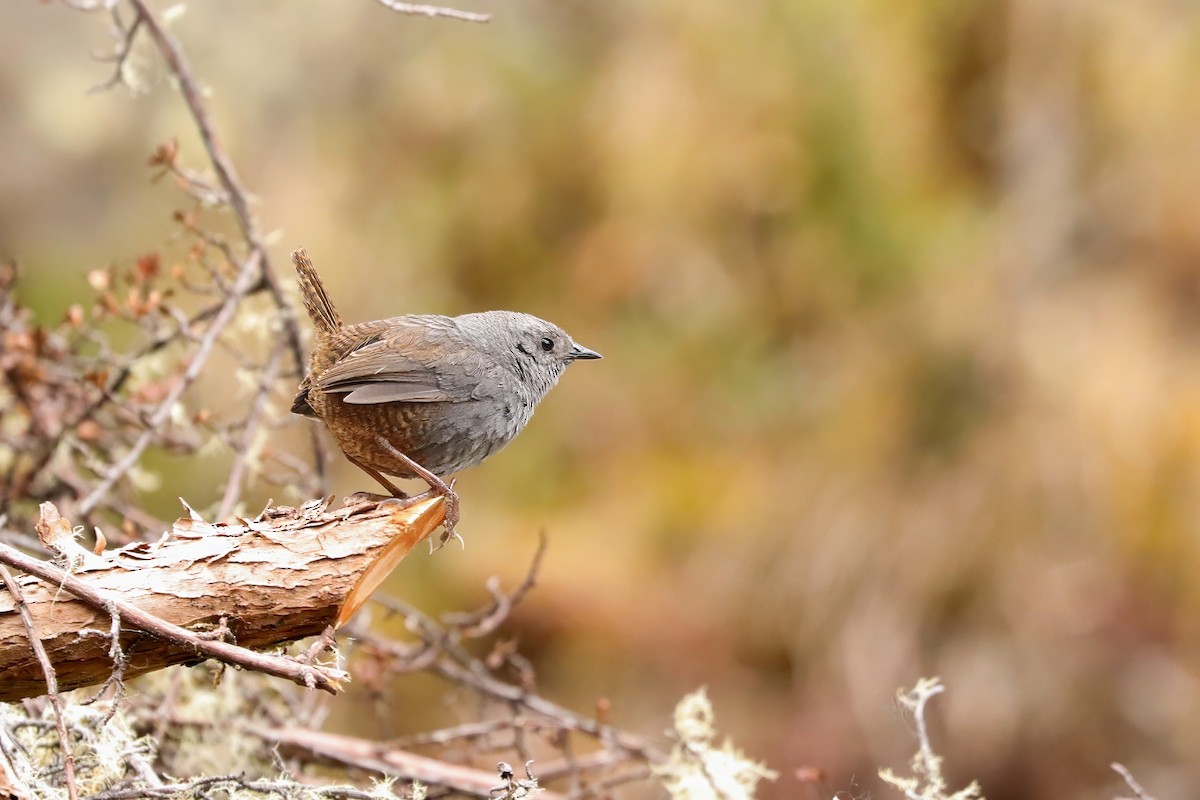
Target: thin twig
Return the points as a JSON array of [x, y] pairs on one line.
[[162, 414], [496, 689], [120, 57], [603, 788], [311, 676], [228, 176], [117, 381], [233, 484], [117, 677], [368, 755], [445, 656], [18, 539], [444, 736], [237, 198], [1131, 782], [193, 96], [487, 619], [203, 786], [39, 650], [434, 11]]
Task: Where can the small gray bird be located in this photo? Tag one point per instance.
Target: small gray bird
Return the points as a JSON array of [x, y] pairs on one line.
[[425, 395]]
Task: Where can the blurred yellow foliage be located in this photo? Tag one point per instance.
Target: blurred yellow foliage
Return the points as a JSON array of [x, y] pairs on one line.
[[900, 309]]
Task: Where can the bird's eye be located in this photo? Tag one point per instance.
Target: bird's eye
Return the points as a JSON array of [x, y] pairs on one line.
[[547, 344]]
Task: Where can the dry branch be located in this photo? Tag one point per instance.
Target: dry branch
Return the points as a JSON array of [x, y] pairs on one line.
[[280, 577], [423, 10], [377, 757], [35, 642], [162, 414]]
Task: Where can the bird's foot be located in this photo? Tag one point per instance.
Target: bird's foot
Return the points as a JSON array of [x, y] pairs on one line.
[[437, 486], [447, 493], [452, 515]]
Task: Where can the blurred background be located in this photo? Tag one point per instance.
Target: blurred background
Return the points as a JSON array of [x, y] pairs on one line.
[[900, 310]]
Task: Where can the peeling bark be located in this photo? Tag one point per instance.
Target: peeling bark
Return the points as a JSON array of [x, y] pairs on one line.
[[275, 579]]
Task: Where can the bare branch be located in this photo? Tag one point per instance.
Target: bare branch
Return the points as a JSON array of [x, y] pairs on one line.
[[434, 11], [368, 755], [35, 642], [162, 414], [237, 196], [233, 484], [120, 55], [1138, 792], [483, 683], [486, 620], [201, 787]]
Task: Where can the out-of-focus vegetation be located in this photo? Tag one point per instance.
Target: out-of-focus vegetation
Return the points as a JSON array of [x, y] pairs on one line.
[[900, 309]]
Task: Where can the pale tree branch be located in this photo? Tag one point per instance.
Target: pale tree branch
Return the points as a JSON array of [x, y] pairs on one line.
[[35, 643], [237, 473], [125, 37], [236, 194], [419, 9], [162, 414], [367, 755], [1138, 792]]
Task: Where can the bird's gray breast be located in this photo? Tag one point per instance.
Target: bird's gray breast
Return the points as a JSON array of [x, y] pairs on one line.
[[501, 405], [493, 408]]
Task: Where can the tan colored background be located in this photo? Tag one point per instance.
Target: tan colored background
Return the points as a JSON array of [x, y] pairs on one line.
[[900, 309]]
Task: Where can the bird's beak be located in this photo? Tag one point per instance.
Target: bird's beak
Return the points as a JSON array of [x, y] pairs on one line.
[[581, 353]]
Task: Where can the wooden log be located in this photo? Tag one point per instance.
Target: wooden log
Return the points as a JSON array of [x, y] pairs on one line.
[[280, 577]]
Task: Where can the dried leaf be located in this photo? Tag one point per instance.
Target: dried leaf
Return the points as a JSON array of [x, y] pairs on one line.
[[58, 536], [165, 154], [52, 529], [147, 266]]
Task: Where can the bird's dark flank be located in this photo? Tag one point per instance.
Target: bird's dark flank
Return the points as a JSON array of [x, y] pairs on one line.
[[426, 395]]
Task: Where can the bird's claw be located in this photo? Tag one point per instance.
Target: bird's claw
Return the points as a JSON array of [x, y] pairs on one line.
[[452, 517], [447, 535], [436, 486]]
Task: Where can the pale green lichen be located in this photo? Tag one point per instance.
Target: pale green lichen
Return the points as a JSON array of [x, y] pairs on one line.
[[926, 781], [699, 770], [104, 750], [201, 741]]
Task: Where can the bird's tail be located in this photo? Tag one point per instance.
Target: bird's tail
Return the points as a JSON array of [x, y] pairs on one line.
[[324, 316]]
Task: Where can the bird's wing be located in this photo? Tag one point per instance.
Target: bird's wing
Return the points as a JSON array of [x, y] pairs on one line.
[[416, 360]]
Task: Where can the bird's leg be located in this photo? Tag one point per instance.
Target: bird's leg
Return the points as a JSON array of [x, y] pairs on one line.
[[436, 485], [393, 491]]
